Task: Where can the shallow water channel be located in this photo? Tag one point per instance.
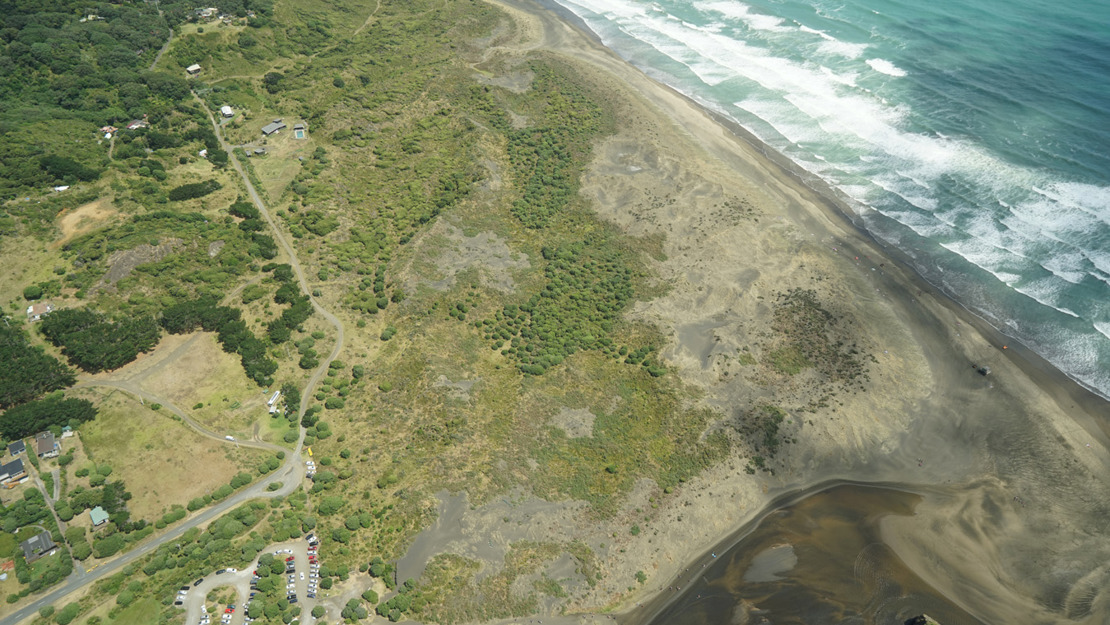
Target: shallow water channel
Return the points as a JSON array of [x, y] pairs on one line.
[[816, 561]]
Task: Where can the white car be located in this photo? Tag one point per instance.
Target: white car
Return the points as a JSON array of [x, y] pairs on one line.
[[302, 574], [290, 586], [233, 570]]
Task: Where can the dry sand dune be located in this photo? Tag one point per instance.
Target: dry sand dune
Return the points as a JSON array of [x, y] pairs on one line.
[[1011, 468]]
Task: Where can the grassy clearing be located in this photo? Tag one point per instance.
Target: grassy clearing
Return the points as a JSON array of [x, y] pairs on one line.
[[202, 373], [142, 612], [150, 452]]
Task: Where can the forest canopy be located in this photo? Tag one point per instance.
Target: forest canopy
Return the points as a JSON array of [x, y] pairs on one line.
[[27, 372], [95, 343]]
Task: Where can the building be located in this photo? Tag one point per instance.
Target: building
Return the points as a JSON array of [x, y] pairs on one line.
[[17, 448], [98, 516], [273, 403], [45, 445], [36, 547], [38, 311], [226, 111], [193, 69], [12, 473], [137, 124], [298, 131], [272, 127]]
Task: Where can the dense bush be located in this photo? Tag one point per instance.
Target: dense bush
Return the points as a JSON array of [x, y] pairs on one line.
[[27, 371], [193, 190], [233, 334], [66, 169], [95, 343], [36, 416]]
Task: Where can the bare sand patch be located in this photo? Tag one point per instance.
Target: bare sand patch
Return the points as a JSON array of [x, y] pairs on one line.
[[445, 251], [84, 218], [576, 423], [738, 231]]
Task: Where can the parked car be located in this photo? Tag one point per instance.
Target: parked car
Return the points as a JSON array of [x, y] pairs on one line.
[[198, 582], [221, 571]]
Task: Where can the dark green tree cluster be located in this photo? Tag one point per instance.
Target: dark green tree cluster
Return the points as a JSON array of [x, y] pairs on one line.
[[36, 416], [300, 309], [261, 245], [243, 209], [30, 509], [66, 169], [372, 294], [401, 603], [233, 334], [95, 343], [28, 372], [63, 73], [588, 287], [194, 190]]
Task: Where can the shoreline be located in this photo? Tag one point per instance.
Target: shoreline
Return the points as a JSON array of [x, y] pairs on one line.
[[1020, 354], [1046, 401]]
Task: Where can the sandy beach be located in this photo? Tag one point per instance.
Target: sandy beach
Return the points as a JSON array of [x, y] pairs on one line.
[[1011, 468]]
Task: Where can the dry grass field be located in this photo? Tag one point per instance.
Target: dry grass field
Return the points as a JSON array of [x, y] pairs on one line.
[[161, 460]]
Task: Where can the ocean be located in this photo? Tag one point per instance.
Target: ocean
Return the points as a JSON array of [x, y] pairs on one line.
[[974, 137]]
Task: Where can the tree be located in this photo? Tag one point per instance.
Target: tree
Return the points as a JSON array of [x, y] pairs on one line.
[[37, 416], [32, 292], [28, 371], [273, 82], [318, 611], [66, 615]]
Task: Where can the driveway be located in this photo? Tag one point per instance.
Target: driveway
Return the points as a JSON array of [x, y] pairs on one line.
[[240, 582]]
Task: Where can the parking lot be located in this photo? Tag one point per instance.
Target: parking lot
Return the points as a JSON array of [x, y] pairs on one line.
[[300, 581]]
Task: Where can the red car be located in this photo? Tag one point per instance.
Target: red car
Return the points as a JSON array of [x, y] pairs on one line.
[[289, 559]]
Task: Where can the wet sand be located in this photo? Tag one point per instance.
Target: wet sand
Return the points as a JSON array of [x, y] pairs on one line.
[[818, 560], [1011, 469]]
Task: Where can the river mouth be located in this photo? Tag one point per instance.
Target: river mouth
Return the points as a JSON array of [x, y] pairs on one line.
[[818, 560]]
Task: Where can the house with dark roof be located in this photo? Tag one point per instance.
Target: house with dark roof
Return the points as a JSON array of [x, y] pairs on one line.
[[17, 447], [45, 445], [273, 127], [12, 473], [36, 547]]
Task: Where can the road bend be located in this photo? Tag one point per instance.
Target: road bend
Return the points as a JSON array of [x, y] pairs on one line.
[[289, 475]]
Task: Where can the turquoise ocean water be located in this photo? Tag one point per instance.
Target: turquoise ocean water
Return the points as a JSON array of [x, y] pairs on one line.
[[972, 136]]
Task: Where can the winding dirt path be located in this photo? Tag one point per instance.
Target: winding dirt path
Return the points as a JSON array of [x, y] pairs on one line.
[[369, 19]]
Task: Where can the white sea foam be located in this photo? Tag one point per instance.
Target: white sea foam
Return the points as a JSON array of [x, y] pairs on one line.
[[1014, 222], [884, 66], [743, 13], [1046, 293], [1103, 328]]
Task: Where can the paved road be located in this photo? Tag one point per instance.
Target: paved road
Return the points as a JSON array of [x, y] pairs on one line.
[[240, 581], [291, 474]]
